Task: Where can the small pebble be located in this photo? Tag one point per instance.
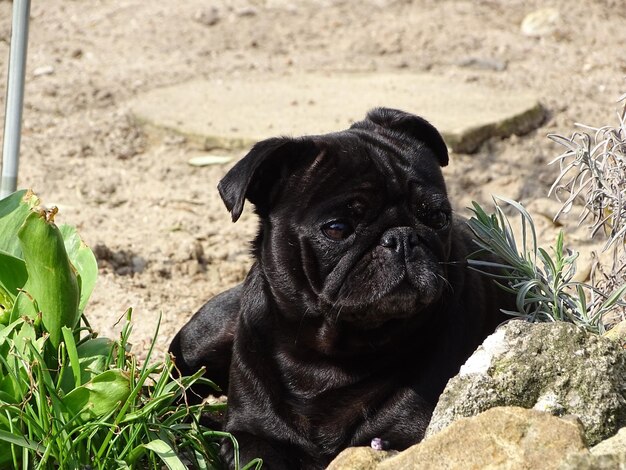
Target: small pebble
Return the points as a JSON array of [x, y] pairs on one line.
[[379, 444], [482, 63], [206, 160], [541, 22], [138, 264], [44, 70], [247, 11], [208, 17]]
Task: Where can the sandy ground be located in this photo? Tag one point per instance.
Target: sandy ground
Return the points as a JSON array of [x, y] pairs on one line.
[[164, 241]]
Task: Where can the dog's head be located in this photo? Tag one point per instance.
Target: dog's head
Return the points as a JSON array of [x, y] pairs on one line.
[[355, 225]]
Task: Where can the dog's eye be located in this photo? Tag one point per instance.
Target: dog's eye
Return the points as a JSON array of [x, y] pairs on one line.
[[438, 220], [337, 230]]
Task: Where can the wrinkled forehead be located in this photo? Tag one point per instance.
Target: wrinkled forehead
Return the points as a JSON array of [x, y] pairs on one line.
[[358, 160]]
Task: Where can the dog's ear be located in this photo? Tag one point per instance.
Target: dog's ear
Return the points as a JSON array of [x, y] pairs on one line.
[[255, 176], [414, 126]]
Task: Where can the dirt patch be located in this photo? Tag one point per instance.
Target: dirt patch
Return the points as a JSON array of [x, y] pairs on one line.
[[168, 242]]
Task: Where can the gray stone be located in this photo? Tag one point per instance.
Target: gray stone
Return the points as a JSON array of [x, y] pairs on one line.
[[359, 458], [553, 367], [500, 438], [234, 113]]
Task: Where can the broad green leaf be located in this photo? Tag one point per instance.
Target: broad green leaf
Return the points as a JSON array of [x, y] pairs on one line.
[[166, 454], [100, 396], [93, 358], [83, 260], [13, 273], [13, 276], [8, 391], [24, 306], [52, 280], [25, 334], [6, 331], [13, 211], [6, 306]]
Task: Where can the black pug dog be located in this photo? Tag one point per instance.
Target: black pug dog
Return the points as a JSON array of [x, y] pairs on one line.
[[359, 306]]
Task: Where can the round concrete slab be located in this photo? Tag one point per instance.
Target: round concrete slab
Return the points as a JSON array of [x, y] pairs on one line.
[[238, 112]]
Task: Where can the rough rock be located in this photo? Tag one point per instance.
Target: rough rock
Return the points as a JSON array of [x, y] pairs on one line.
[[554, 367], [594, 462], [618, 333], [255, 108], [607, 455], [359, 458], [500, 438], [613, 445]]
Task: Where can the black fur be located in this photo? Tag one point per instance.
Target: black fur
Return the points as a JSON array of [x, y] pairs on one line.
[[337, 341]]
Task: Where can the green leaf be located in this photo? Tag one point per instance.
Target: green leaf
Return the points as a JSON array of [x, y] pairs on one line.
[[93, 357], [83, 260], [13, 276], [72, 353], [166, 454], [614, 298], [6, 306], [24, 306], [156, 402], [25, 334], [547, 261], [100, 396], [20, 441], [13, 211], [7, 330], [52, 280], [13, 273]]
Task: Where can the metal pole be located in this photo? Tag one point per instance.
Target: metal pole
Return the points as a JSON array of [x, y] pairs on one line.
[[15, 97]]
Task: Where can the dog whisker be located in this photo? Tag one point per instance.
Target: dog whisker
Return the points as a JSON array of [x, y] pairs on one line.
[[462, 262], [446, 283], [306, 310]]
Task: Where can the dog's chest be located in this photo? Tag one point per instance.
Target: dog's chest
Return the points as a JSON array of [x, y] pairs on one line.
[[329, 402]]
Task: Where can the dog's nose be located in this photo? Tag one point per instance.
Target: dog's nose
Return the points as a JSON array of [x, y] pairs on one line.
[[402, 240]]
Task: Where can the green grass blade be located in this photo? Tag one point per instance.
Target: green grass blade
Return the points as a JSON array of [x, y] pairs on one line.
[[21, 441], [72, 352], [166, 454]]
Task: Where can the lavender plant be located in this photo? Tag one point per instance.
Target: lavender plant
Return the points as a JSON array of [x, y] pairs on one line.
[[542, 280], [593, 171]]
